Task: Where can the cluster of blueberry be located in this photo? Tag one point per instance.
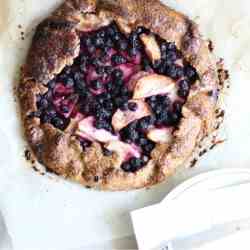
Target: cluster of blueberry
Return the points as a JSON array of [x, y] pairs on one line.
[[96, 85]]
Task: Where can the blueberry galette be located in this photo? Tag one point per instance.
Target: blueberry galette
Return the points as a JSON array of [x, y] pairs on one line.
[[117, 94]]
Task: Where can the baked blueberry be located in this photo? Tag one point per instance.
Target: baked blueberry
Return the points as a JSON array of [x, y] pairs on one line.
[[183, 88], [118, 59], [132, 106]]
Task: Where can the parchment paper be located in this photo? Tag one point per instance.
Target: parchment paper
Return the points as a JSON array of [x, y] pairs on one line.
[[50, 213]]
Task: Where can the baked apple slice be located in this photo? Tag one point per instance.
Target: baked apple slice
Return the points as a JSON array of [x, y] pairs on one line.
[[124, 150], [135, 78], [87, 130], [154, 84], [160, 135], [134, 110], [151, 47]]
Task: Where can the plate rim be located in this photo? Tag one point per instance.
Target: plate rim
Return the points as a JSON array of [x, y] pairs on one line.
[[197, 179]]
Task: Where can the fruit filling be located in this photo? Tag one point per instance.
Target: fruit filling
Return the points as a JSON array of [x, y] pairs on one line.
[[125, 91]]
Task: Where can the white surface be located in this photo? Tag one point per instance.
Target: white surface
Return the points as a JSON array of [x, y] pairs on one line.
[[44, 213], [240, 240], [199, 204]]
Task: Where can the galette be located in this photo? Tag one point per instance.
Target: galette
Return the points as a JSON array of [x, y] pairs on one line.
[[117, 95]]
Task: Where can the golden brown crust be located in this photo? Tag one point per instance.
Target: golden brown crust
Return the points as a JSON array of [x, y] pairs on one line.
[[56, 44]]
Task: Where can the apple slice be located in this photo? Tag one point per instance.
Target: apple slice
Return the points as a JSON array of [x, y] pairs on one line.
[[160, 135], [135, 78], [154, 84], [151, 47], [122, 118], [87, 129], [124, 151]]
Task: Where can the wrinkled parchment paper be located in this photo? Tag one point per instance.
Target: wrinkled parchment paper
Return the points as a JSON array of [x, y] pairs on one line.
[[43, 213]]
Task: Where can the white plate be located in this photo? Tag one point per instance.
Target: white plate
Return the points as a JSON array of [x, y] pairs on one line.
[[209, 181]]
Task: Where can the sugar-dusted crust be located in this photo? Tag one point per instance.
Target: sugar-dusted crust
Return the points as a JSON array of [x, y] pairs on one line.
[[56, 44]]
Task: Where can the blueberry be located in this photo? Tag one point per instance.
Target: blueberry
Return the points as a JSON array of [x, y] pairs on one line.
[[133, 51], [100, 70], [103, 114], [119, 101], [108, 127], [162, 117], [108, 69], [51, 84], [174, 71], [158, 110], [122, 44], [162, 69], [96, 84], [157, 64], [43, 103], [100, 124], [107, 152], [117, 74], [146, 64], [101, 34], [124, 91], [109, 86], [177, 107], [65, 109], [83, 68], [115, 91], [45, 118], [164, 48], [99, 42], [124, 106], [86, 108], [145, 158], [135, 41], [149, 147], [58, 122], [144, 123], [190, 73], [88, 41], [109, 44], [152, 98], [171, 46], [133, 135], [85, 143], [69, 82], [136, 163], [140, 30], [96, 62], [142, 141], [116, 37], [78, 77], [109, 106], [34, 114], [132, 106], [112, 29], [50, 112], [118, 83], [173, 120], [91, 49], [183, 88], [129, 133], [126, 167], [80, 88], [106, 96], [172, 55], [118, 59]]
